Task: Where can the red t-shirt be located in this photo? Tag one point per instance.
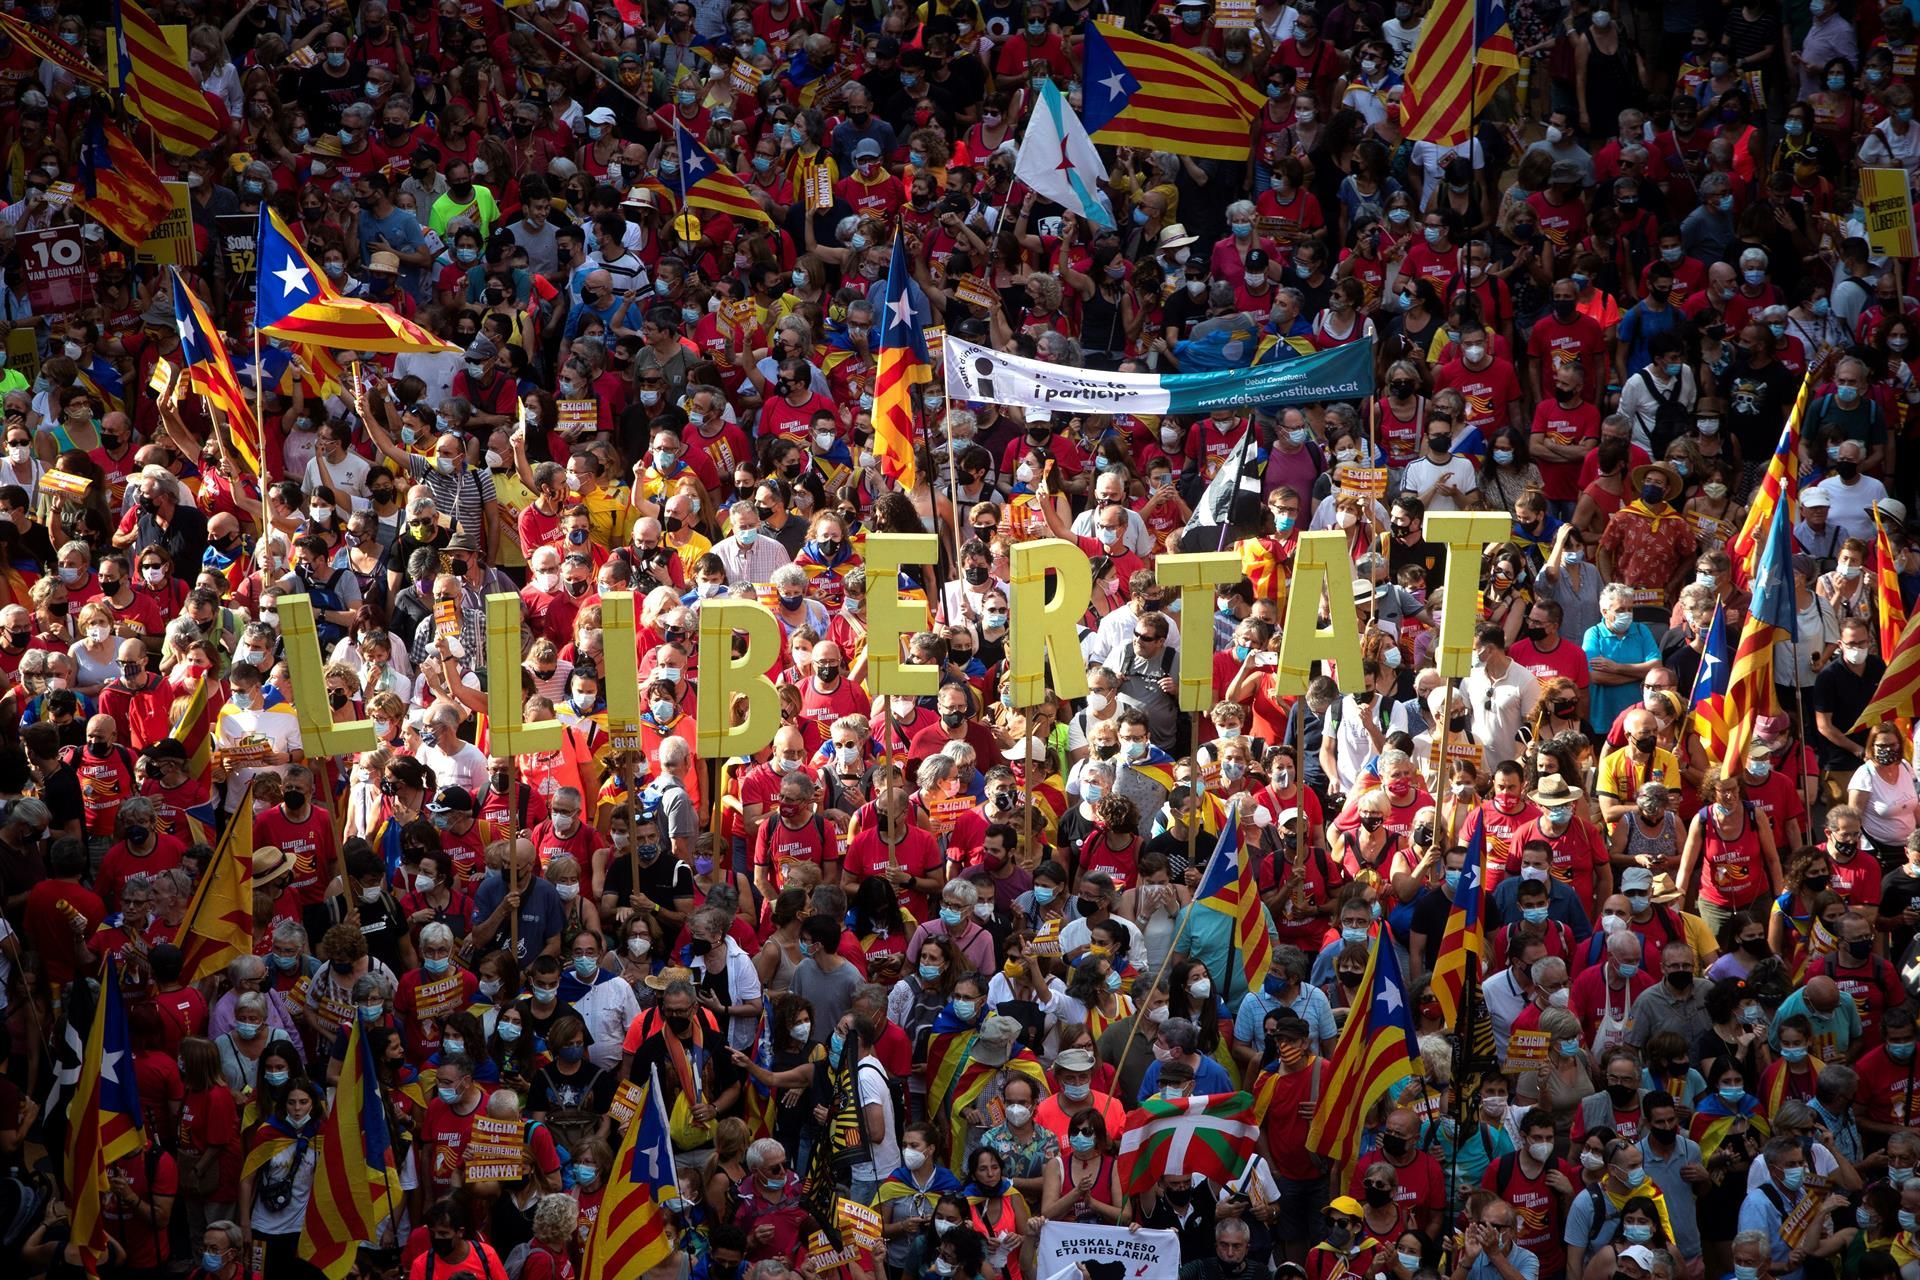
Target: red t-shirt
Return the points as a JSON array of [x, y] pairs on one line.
[[1286, 1128], [1536, 1207], [447, 1131], [183, 1013], [1488, 392], [814, 841], [51, 908], [122, 862], [819, 710], [1886, 1087], [209, 1121], [1557, 424], [1422, 1185], [1576, 852], [146, 1249], [1579, 340], [919, 853], [309, 839], [581, 844]]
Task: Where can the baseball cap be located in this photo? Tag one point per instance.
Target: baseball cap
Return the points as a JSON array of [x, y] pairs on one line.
[[451, 800], [601, 115], [1635, 878]]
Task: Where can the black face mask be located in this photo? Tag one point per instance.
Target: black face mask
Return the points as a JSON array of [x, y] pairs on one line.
[[1440, 441], [679, 1023], [1394, 1145], [976, 575], [1086, 906], [1621, 1094], [448, 1249], [337, 699], [1402, 388], [1816, 884], [1379, 1197], [1644, 743], [1682, 981]]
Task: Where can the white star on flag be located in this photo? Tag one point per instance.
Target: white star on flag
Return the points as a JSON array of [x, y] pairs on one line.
[[187, 335], [293, 277], [902, 308], [1116, 84], [1471, 880], [1389, 999], [1708, 661], [107, 1062]]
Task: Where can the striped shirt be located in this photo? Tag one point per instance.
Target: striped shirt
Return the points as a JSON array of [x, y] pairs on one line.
[[462, 495], [754, 564]]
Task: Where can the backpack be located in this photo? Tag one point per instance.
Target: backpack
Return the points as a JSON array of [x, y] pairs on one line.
[[1671, 418], [896, 1094], [325, 599], [1507, 1165]]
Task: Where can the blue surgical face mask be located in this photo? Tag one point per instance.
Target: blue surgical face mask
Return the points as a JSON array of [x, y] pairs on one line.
[[965, 1009], [1534, 915], [1503, 456], [929, 973], [951, 917], [1082, 1143], [436, 965], [1043, 894], [1731, 1094], [1900, 1052], [275, 1078], [1794, 1178]]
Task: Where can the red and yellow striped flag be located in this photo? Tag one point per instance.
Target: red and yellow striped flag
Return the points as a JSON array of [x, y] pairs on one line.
[[354, 1176], [1138, 92], [1376, 1051], [1899, 689], [159, 89], [903, 361], [1772, 616], [1893, 610], [118, 188], [706, 184], [1464, 52], [218, 926], [1463, 946], [47, 45]]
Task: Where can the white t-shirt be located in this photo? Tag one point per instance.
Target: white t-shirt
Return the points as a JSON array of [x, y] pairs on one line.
[[1423, 474], [278, 731], [872, 1083], [1852, 503], [1892, 808], [466, 768], [349, 475]]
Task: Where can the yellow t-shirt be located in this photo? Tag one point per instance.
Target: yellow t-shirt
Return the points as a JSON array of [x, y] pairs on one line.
[[1621, 776], [609, 516], [514, 498]]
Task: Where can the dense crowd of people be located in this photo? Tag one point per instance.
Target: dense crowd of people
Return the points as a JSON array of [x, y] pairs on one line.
[[1595, 315]]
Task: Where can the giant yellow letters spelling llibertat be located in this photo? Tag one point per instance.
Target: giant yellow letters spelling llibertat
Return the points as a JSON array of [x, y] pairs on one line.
[[1052, 585]]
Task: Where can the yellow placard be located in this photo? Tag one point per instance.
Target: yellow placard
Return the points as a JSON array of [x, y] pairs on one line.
[[496, 1151], [859, 1222], [744, 77], [162, 375], [170, 243], [1233, 15], [580, 414], [942, 814], [626, 1103], [1888, 200], [975, 292], [1527, 1050], [1365, 482], [65, 483]]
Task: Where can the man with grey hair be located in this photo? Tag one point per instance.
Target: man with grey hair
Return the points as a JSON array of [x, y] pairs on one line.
[[1178, 1040], [1109, 489], [751, 554], [1708, 232], [716, 1073], [1229, 1260], [1768, 1204], [1850, 492]]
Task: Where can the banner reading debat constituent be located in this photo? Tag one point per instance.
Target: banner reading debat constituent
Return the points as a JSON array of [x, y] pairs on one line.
[[983, 374]]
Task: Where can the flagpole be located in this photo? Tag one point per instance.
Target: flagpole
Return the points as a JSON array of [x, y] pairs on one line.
[[1440, 771], [612, 83], [953, 487], [260, 426]]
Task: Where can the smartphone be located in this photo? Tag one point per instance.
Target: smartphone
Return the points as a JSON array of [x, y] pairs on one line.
[[1266, 659], [1259, 748]]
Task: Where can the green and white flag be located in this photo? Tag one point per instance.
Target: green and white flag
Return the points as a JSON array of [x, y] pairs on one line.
[[995, 377]]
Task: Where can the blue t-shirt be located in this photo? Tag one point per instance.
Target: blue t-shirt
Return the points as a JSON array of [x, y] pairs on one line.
[[1640, 326], [541, 915], [1608, 700]]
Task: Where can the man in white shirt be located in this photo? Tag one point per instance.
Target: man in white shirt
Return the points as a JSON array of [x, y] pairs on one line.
[[1439, 476], [454, 763], [267, 740], [1850, 495], [1500, 694], [1111, 489]]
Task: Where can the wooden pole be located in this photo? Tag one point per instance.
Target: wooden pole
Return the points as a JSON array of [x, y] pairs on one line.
[[513, 887], [1440, 772]]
